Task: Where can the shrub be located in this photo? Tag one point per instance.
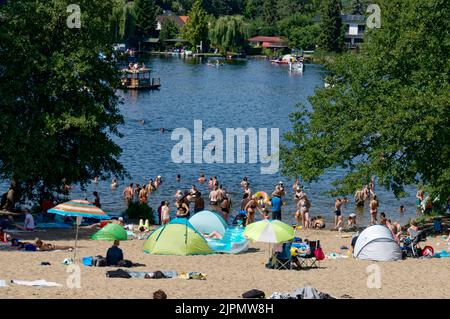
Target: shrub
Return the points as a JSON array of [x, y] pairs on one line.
[[140, 211]]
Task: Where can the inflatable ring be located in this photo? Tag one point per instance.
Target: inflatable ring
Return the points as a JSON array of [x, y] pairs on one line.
[[264, 195]]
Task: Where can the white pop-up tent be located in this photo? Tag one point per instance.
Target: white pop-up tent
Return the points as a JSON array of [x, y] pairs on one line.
[[377, 243]]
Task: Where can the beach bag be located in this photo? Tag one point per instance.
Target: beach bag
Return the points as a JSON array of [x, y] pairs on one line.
[[254, 294], [119, 273], [87, 261], [318, 253]]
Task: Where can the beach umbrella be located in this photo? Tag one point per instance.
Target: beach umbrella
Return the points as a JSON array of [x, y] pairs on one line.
[[78, 209], [269, 231]]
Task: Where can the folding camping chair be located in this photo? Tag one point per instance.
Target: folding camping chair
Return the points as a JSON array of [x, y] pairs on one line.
[[411, 247], [309, 260], [283, 259]]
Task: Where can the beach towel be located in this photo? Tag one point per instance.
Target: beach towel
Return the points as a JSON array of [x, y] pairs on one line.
[[192, 275], [3, 283], [36, 283], [151, 275], [309, 292], [119, 273]]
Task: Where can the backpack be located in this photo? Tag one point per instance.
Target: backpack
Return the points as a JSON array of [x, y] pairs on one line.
[[254, 293], [318, 253]]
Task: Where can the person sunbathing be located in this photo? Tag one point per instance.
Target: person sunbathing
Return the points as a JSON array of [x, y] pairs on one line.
[[104, 223], [41, 246], [213, 234]]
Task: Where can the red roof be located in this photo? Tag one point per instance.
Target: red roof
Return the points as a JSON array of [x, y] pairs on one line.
[[184, 18], [266, 39]]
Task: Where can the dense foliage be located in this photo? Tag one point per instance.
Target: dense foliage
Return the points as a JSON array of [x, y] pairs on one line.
[[137, 210], [229, 33], [387, 110], [296, 20], [57, 101]]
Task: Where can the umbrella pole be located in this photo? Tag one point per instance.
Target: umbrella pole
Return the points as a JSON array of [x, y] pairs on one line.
[[76, 241]]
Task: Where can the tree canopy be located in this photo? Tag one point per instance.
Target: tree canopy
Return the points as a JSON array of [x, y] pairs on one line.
[[229, 33], [331, 37], [386, 112], [196, 28], [57, 101], [145, 16]]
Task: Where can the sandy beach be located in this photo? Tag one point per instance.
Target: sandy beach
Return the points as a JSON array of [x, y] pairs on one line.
[[228, 275]]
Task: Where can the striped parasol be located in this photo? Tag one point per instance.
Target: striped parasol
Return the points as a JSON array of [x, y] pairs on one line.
[[79, 208]]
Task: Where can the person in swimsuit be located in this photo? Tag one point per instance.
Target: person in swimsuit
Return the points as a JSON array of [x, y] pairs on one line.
[[225, 207], [41, 246], [165, 213], [247, 190], [128, 194], [250, 208], [114, 184], [338, 213], [373, 210], [214, 199], [202, 179], [302, 213], [143, 195]]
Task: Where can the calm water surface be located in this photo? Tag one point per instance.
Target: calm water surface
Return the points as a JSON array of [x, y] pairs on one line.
[[244, 94]]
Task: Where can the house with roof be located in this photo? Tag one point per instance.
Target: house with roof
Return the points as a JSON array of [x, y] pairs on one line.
[[268, 42], [355, 26], [179, 21]]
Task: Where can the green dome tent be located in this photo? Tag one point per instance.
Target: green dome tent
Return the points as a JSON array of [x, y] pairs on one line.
[[111, 232], [178, 237]]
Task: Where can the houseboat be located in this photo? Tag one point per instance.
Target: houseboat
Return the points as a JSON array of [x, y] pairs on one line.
[[139, 79]]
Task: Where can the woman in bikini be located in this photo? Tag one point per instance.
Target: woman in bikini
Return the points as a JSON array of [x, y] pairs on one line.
[[373, 210], [225, 207], [41, 246], [165, 213], [250, 208]]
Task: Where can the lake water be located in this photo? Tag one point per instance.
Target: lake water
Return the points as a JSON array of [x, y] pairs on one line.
[[243, 94]]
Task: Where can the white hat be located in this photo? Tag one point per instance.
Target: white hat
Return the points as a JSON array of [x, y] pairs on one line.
[[352, 215], [121, 219]]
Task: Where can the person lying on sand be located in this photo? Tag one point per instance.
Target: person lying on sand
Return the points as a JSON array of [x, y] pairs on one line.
[[41, 246], [213, 234], [104, 223]]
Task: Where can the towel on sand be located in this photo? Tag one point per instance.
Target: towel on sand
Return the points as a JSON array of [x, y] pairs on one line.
[[36, 283]]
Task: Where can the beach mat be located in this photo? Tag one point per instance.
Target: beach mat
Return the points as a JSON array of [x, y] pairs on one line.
[[35, 283]]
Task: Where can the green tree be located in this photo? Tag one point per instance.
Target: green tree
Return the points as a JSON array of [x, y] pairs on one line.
[[252, 8], [269, 12], [196, 28], [145, 12], [57, 98], [304, 38], [331, 39], [387, 111], [168, 30], [229, 33]]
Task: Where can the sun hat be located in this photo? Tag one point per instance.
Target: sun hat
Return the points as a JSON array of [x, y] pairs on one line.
[[121, 219]]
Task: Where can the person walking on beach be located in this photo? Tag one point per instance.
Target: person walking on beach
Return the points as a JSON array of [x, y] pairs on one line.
[[302, 214], [373, 210], [338, 213], [165, 213], [128, 194]]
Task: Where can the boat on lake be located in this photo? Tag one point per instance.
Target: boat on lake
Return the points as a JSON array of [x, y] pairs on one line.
[[139, 79]]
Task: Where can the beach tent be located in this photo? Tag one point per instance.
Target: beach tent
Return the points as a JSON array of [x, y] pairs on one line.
[[206, 222], [111, 232], [377, 243], [178, 237]]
